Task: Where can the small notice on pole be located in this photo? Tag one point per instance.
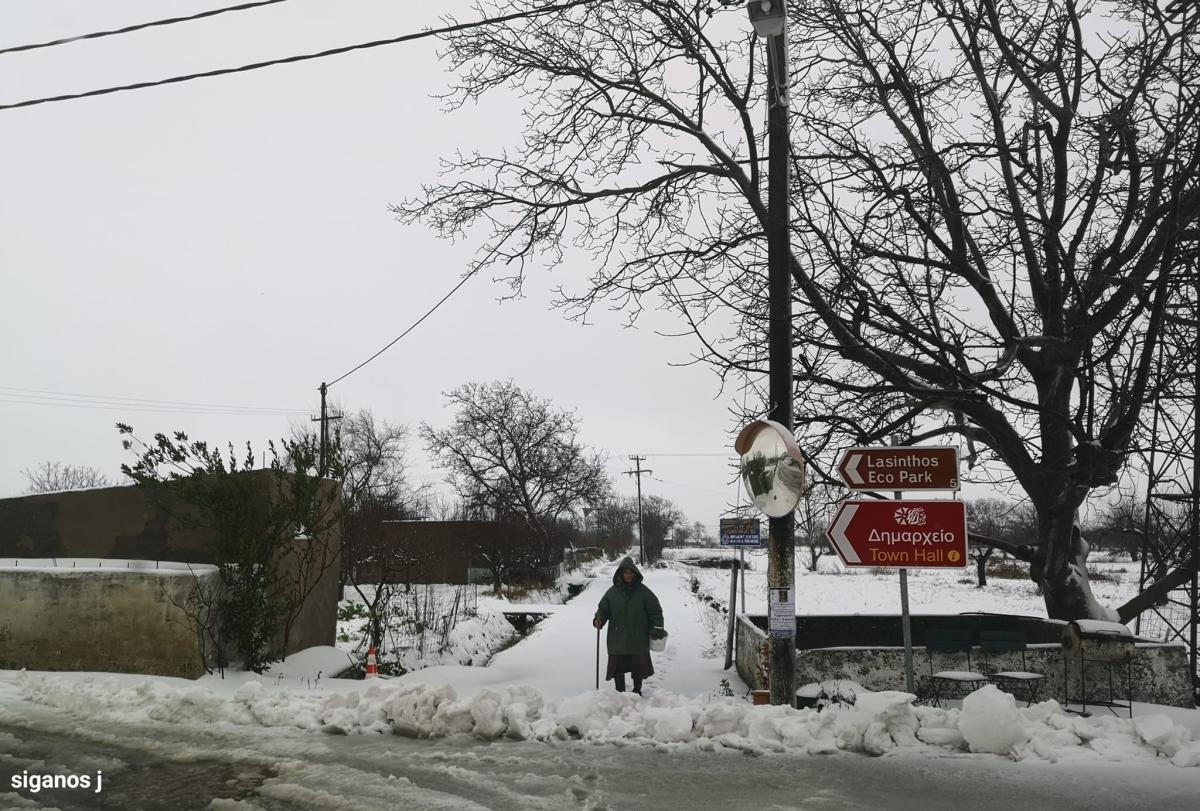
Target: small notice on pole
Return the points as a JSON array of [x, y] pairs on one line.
[[781, 612]]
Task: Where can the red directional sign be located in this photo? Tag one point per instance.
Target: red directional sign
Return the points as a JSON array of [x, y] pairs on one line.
[[915, 468], [901, 534]]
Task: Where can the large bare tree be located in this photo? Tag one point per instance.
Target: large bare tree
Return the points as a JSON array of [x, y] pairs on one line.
[[988, 203], [516, 456]]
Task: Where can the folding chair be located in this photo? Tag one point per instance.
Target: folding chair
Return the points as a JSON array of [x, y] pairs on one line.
[[1010, 681], [947, 641]]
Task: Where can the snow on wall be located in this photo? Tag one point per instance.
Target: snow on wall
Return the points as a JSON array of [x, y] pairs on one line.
[[106, 565]]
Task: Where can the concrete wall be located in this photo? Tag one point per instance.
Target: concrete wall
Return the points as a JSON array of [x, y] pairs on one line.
[[1159, 672], [117, 620], [124, 523]]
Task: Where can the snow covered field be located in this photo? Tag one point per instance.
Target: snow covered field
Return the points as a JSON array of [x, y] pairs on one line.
[[837, 590]]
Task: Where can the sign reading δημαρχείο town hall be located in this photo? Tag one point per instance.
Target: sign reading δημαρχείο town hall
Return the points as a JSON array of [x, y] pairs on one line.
[[901, 534]]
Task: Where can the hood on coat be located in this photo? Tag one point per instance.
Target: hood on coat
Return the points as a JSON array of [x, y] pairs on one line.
[[626, 563]]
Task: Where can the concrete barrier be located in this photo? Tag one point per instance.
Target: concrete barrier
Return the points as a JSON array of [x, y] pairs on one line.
[[108, 615]]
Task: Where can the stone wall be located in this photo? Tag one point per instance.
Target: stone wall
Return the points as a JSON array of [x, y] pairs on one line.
[[1159, 672], [116, 620]]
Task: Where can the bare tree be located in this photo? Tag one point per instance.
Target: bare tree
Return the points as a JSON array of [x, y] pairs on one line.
[[989, 516], [613, 524], [988, 202], [659, 517], [376, 487], [1120, 524], [515, 455], [54, 477], [812, 518]]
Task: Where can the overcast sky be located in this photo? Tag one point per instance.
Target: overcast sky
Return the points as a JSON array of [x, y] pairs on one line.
[[227, 242]]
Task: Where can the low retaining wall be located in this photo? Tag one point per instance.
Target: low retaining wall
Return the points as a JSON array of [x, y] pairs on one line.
[[1159, 671], [119, 617]]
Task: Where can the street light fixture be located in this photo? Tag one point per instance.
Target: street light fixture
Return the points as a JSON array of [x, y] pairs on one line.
[[767, 16]]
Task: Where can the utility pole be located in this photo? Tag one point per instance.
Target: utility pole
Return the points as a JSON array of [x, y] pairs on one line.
[[637, 471], [770, 21], [324, 420]]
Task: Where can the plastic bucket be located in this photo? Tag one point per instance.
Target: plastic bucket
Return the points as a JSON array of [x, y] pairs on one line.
[[659, 644]]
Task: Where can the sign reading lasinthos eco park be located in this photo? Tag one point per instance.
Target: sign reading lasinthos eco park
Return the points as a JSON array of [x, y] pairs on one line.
[[900, 468], [900, 534]]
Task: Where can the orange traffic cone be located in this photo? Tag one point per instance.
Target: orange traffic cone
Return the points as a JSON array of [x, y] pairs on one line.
[[372, 669]]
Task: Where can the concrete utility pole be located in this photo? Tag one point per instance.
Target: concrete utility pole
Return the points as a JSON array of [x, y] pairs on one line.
[[769, 18], [637, 471]]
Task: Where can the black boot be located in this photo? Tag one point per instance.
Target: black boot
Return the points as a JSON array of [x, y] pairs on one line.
[[619, 681], [637, 685]]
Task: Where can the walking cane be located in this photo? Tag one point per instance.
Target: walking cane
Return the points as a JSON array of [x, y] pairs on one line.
[[597, 658]]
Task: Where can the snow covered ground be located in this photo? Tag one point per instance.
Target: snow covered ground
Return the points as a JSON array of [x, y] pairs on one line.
[[837, 590], [541, 693]]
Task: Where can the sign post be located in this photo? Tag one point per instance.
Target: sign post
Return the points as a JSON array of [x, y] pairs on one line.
[[738, 532], [901, 534]]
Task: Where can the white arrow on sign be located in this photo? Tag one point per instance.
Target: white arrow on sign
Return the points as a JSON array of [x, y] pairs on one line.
[[852, 469], [837, 533]]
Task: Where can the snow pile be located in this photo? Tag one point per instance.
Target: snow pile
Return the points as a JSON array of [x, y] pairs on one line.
[[991, 722], [877, 724], [473, 641]]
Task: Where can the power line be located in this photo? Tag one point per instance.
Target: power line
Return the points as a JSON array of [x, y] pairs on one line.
[[118, 408], [138, 27], [414, 325], [429, 32], [13, 394]]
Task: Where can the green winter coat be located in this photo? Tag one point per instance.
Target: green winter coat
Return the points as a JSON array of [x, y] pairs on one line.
[[630, 614]]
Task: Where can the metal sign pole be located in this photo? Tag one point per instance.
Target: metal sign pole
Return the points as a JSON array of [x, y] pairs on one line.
[[742, 566], [906, 625], [905, 618], [733, 577]]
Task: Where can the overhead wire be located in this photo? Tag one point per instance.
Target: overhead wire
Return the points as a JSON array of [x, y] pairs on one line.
[[45, 397], [429, 32], [138, 27], [411, 327]]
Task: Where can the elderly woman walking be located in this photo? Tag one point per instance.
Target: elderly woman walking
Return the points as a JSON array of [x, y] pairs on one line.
[[634, 616]]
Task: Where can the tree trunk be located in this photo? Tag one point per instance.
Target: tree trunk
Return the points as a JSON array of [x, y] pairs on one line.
[[1060, 568], [981, 570]]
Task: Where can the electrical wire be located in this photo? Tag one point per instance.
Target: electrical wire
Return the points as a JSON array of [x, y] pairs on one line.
[[24, 396], [429, 32], [413, 326], [138, 27]]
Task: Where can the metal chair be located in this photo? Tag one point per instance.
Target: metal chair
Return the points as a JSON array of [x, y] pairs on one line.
[[991, 642], [948, 641]]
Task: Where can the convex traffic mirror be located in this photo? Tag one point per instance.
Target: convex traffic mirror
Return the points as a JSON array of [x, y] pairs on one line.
[[772, 467]]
